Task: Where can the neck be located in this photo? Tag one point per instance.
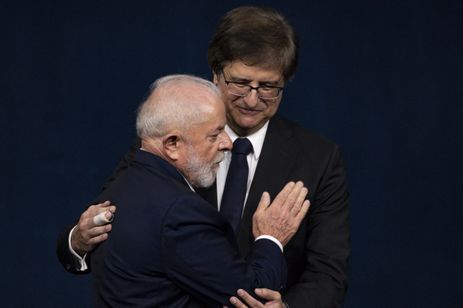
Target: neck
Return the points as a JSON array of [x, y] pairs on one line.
[[153, 146]]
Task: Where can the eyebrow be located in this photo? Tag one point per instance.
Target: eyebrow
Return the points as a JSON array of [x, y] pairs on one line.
[[264, 82]]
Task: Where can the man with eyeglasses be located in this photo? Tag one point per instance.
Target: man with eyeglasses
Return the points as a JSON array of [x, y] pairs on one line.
[[252, 54]]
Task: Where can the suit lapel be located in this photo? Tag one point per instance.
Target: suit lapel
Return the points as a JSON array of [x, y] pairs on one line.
[[273, 168]]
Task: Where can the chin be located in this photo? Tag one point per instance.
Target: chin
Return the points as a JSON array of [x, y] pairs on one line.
[[204, 184], [205, 180]]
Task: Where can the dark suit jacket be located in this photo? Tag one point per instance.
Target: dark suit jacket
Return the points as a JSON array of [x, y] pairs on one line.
[[317, 255], [169, 246]]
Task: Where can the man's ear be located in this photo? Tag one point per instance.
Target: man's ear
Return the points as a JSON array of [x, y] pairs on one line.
[[215, 79], [171, 144]]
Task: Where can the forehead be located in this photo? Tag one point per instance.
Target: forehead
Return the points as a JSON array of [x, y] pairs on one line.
[[238, 69], [198, 97], [213, 114]]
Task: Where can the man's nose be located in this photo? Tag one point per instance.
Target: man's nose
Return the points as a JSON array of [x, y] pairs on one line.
[[225, 144], [252, 98]]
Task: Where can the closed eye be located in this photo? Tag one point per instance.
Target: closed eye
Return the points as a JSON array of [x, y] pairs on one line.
[[240, 84], [213, 138]]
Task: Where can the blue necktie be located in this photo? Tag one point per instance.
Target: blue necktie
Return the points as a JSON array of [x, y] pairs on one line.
[[234, 192]]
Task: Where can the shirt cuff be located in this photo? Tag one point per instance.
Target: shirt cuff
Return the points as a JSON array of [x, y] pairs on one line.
[[271, 238], [79, 260]]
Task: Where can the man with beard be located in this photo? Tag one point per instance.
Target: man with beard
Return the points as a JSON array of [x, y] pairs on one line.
[[169, 247], [253, 53]]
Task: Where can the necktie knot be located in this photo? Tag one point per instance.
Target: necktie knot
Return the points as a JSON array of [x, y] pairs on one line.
[[242, 146], [234, 193]]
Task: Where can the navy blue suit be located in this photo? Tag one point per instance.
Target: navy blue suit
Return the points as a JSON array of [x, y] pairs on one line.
[[170, 248], [317, 255]]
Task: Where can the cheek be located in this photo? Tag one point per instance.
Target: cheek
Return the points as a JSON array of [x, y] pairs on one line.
[[272, 108], [214, 149], [209, 151], [229, 101]]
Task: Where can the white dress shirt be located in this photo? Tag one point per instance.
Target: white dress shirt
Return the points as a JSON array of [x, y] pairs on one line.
[[257, 141]]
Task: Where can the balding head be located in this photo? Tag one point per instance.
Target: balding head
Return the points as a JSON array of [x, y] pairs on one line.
[[183, 122], [175, 102]]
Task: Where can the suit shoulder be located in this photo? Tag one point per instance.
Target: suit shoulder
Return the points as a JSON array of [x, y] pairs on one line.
[[192, 205], [304, 137]]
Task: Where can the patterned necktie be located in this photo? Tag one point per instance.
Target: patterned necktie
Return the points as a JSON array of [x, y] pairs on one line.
[[235, 186]]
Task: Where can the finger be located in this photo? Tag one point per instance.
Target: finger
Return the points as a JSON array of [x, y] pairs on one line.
[[263, 203], [237, 303], [290, 201], [248, 299], [268, 294], [103, 218], [283, 194], [92, 211], [98, 239], [96, 231], [95, 216], [299, 201], [304, 209], [103, 204], [107, 205]]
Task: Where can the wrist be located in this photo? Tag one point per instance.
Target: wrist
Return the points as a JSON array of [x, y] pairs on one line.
[[78, 260], [271, 238], [73, 244]]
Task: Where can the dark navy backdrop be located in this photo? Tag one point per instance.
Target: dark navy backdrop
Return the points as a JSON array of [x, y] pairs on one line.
[[381, 78]]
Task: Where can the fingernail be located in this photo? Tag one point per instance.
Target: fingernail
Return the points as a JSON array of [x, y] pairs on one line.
[[109, 216]]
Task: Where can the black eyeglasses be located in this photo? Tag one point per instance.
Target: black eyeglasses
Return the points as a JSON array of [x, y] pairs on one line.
[[242, 89]]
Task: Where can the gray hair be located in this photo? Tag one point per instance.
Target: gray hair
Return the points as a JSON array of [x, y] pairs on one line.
[[169, 106]]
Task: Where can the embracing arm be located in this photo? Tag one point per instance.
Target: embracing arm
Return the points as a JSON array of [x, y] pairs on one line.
[[323, 282], [76, 241], [87, 233], [201, 257], [201, 253], [65, 256]]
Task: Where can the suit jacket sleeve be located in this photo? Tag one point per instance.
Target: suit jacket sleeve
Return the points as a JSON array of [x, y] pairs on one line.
[[201, 256], [324, 279], [65, 256]]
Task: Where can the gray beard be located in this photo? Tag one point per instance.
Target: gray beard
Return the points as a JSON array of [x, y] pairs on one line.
[[201, 174]]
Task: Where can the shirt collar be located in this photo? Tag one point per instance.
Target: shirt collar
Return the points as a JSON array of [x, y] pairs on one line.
[[256, 139], [189, 185]]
